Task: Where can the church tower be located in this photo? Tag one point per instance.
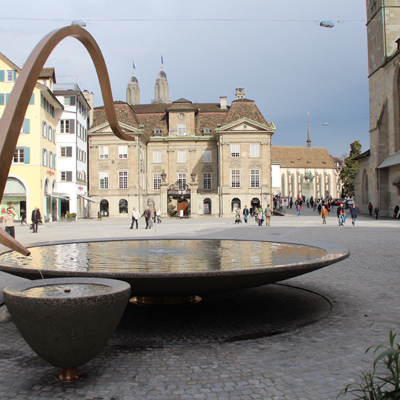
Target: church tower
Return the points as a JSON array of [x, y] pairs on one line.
[[383, 29], [161, 89], [133, 91]]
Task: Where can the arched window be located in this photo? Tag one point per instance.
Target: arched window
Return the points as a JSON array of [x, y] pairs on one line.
[[44, 129], [235, 204], [123, 206], [365, 187]]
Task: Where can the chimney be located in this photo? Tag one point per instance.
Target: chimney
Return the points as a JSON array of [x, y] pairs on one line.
[[222, 102], [239, 93]]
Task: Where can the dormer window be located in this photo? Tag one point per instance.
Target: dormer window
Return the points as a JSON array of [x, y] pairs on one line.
[[182, 129], [206, 131], [181, 116], [157, 132]]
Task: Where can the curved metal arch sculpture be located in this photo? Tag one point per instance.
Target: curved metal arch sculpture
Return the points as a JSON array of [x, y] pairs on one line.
[[17, 104]]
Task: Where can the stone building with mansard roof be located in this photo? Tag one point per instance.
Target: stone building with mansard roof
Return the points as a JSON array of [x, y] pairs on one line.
[[206, 158]]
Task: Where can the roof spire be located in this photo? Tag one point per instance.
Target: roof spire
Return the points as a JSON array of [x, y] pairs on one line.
[[308, 131]]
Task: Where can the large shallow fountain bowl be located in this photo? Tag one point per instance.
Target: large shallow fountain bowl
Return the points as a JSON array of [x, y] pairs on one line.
[[67, 321], [175, 268]]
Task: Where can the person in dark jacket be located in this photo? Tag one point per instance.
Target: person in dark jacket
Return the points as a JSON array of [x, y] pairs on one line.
[[36, 218], [147, 216], [353, 212], [340, 214]]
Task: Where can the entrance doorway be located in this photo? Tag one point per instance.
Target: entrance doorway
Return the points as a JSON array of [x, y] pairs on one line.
[[255, 203], [207, 206], [104, 208], [182, 205]]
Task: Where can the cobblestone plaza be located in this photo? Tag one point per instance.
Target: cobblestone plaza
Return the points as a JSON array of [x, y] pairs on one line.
[[303, 338]]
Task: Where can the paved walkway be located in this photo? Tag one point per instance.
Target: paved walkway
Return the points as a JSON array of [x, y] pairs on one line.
[[304, 338]]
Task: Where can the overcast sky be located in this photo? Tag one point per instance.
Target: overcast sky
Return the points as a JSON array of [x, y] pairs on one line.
[[275, 50]]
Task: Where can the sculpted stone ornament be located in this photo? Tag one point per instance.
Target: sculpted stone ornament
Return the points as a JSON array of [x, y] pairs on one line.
[[193, 176], [17, 104], [308, 176], [163, 176]]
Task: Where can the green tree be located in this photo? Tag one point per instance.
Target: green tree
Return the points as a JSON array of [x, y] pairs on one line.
[[350, 169]]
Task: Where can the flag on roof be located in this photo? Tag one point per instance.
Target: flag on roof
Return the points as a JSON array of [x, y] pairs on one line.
[[134, 65], [162, 60]]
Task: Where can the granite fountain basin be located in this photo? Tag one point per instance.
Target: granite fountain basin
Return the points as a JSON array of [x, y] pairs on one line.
[[161, 268], [67, 321]]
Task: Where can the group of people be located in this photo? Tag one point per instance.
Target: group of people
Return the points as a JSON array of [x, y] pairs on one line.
[[375, 210], [260, 215], [149, 216], [8, 219]]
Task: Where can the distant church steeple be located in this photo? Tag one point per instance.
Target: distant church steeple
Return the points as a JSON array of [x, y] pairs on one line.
[[133, 91], [308, 131], [161, 89]]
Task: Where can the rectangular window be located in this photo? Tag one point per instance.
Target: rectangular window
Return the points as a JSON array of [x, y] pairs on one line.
[[10, 75], [182, 129], [103, 180], [157, 157], [66, 176], [181, 156], [182, 181], [235, 150], [122, 151], [103, 151], [122, 179], [157, 182], [64, 126], [207, 156], [26, 126], [255, 178], [19, 156], [207, 181], [235, 178], [66, 151], [254, 150], [2, 101]]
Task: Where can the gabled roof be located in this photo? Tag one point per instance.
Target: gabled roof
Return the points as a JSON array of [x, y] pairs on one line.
[[243, 108], [301, 157], [8, 61], [48, 73]]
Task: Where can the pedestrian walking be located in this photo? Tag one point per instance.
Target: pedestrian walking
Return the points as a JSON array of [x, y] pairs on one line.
[[298, 210], [353, 213], [36, 219], [181, 214], [376, 212], [158, 212], [340, 214], [8, 222], [147, 215], [324, 214], [268, 214], [256, 214], [370, 208], [135, 217], [260, 216], [245, 214], [23, 216], [237, 218], [291, 202]]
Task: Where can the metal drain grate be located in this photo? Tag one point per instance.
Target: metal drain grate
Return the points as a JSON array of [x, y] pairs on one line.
[[9, 354]]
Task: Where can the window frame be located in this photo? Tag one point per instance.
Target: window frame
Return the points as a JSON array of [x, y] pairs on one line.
[[122, 179], [254, 150], [122, 152], [157, 156], [255, 178], [181, 129], [157, 181], [207, 181], [182, 156], [103, 180], [207, 156], [20, 154], [236, 178], [235, 150], [103, 153]]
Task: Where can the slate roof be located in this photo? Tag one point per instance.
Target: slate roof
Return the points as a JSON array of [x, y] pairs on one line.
[[47, 73], [302, 157], [124, 112], [244, 108], [207, 115]]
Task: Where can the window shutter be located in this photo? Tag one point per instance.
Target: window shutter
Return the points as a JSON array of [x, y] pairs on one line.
[[32, 100], [26, 155], [14, 75], [7, 96], [26, 127], [69, 176], [1, 75], [1, 98], [71, 125], [72, 101], [69, 151]]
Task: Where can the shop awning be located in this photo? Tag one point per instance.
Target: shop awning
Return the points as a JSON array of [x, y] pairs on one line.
[[58, 196], [88, 198], [394, 159]]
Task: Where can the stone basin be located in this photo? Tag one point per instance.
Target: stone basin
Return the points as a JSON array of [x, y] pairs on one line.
[[176, 267], [67, 321]]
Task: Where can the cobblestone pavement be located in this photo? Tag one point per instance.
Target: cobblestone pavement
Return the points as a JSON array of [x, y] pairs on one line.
[[303, 338]]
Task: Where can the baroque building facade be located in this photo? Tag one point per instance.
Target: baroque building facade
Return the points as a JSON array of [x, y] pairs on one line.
[[378, 178], [202, 158]]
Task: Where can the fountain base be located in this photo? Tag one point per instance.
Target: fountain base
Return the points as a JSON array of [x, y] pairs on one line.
[[69, 374], [165, 301]]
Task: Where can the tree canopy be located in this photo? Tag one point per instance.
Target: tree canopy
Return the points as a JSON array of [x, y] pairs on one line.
[[350, 169]]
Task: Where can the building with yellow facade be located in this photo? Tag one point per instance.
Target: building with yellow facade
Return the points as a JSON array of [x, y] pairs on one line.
[[32, 177]]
